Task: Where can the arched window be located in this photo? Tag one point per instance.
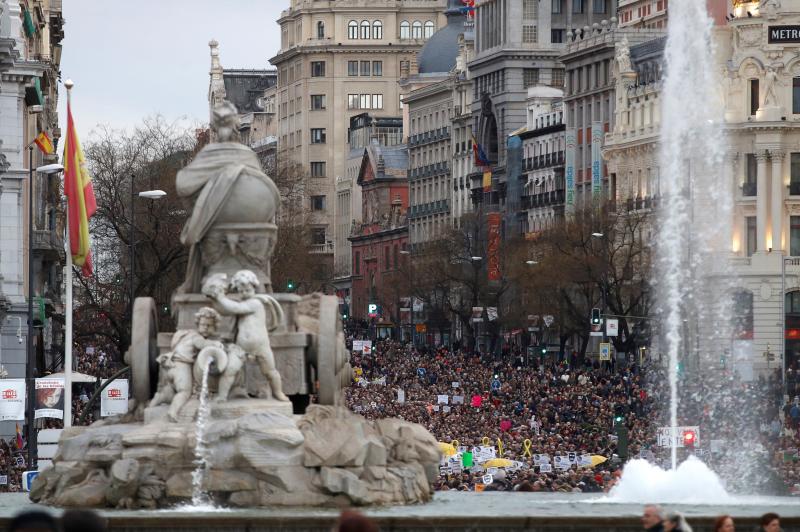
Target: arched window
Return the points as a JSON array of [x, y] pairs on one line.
[[405, 30], [416, 30], [352, 30], [365, 29], [377, 30], [429, 29], [320, 30]]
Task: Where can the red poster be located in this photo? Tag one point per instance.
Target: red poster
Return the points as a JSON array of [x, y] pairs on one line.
[[493, 231]]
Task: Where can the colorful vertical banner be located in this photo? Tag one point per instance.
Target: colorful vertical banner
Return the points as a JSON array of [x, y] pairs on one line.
[[597, 161], [49, 398], [493, 232], [12, 399], [114, 399], [569, 170], [487, 179]]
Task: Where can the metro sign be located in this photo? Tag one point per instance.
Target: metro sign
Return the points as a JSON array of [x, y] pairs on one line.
[[9, 394], [114, 393], [783, 34]]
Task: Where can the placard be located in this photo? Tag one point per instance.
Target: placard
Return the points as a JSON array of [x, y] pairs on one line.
[[114, 398], [458, 399], [12, 399], [585, 460], [3, 480], [545, 468], [487, 479], [443, 399], [401, 396], [49, 398]]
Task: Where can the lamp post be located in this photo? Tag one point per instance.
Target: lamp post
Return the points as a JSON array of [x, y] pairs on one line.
[[603, 281], [147, 194]]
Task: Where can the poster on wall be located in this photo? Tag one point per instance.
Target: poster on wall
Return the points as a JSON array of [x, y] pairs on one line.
[[493, 246], [49, 398], [597, 160], [12, 399], [114, 399], [569, 171]]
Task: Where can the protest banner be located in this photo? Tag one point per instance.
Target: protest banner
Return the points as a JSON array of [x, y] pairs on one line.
[[442, 399], [455, 384], [12, 399], [401, 396], [49, 401], [445, 409], [3, 480], [585, 460], [545, 468], [458, 399], [114, 399]]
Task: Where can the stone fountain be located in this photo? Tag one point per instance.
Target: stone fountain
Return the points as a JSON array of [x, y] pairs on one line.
[[250, 350]]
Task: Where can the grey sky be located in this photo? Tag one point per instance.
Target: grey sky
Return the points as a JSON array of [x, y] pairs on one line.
[[130, 60]]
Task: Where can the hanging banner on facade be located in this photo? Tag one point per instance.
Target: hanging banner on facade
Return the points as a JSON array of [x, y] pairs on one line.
[[12, 400], [597, 160], [569, 170], [49, 398], [477, 314], [493, 247], [114, 399]]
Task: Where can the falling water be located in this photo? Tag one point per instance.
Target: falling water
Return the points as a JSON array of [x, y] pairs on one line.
[[200, 497], [693, 236]]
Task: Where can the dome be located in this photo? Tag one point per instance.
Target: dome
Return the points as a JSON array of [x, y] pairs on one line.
[[441, 51]]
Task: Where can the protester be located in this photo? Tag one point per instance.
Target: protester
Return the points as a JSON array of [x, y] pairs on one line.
[[675, 522], [724, 523], [653, 518], [33, 521], [83, 521], [350, 521], [770, 522]]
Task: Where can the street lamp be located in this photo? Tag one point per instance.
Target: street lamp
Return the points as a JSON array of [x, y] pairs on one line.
[[597, 234], [146, 194], [476, 259], [531, 262]]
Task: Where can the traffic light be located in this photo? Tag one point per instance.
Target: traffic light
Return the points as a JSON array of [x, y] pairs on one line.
[[689, 439], [290, 286], [619, 414], [595, 316], [543, 349]]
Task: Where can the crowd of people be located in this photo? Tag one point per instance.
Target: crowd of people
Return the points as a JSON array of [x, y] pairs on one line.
[[528, 406]]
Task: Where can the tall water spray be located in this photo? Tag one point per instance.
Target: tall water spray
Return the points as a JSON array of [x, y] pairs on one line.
[[199, 497], [694, 229]]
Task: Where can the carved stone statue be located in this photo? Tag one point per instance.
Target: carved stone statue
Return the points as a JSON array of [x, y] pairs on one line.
[[771, 79], [256, 315], [235, 204], [623, 56], [177, 379]]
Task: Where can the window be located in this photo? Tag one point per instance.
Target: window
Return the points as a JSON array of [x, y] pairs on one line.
[[796, 96], [416, 30], [318, 203], [405, 30], [599, 6], [557, 78], [357, 261], [318, 135], [530, 77], [352, 101], [318, 236], [557, 36], [364, 29], [377, 30], [352, 30], [320, 30], [317, 69], [430, 28], [794, 236], [753, 96], [577, 6], [377, 101], [377, 68], [352, 68], [557, 7], [318, 169], [794, 176], [529, 9], [529, 33], [751, 234], [317, 102], [365, 66], [364, 101], [750, 178]]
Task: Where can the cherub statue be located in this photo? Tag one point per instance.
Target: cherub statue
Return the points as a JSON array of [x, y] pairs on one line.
[[176, 379], [257, 315]]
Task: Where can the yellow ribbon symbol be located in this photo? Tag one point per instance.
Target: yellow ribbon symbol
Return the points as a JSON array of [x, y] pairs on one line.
[[526, 445], [485, 441], [499, 448]]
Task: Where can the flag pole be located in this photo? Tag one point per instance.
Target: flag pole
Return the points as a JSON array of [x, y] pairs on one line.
[[68, 318]]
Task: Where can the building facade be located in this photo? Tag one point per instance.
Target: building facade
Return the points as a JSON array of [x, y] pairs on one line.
[[339, 58], [380, 272], [30, 54]]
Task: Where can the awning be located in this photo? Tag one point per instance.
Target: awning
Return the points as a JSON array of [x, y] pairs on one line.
[[76, 377]]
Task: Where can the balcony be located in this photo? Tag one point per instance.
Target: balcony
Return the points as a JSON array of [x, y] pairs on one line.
[[749, 188], [443, 133], [543, 161], [49, 243], [543, 199], [321, 249]]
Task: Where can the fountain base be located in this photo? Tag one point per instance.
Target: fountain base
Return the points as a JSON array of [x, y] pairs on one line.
[[231, 409]]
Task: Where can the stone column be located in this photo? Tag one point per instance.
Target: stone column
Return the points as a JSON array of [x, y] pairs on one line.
[[761, 201], [777, 199]]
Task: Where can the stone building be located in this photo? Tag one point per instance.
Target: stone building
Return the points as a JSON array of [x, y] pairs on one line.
[[380, 273], [650, 14], [340, 58], [30, 54]]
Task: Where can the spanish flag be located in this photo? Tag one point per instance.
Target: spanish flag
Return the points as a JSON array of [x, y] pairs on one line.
[[44, 143], [80, 198]]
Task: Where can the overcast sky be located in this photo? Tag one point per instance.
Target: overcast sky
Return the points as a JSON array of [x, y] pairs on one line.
[[130, 60]]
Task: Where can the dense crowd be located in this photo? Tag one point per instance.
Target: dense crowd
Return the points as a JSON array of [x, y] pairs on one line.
[[567, 406]]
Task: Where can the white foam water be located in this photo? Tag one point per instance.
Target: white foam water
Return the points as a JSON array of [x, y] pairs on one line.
[[200, 499], [691, 482]]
